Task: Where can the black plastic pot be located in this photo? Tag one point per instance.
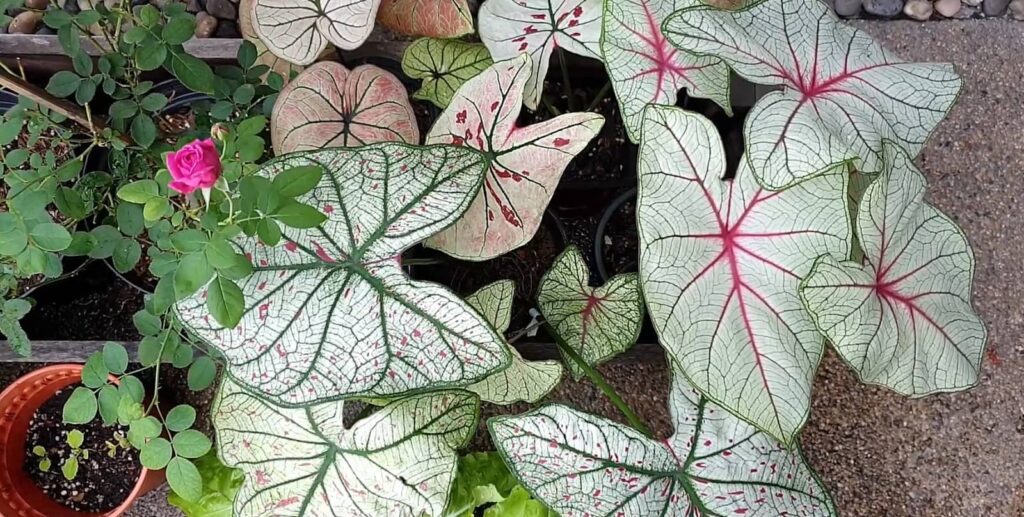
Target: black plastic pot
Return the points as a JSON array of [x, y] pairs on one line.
[[604, 269]]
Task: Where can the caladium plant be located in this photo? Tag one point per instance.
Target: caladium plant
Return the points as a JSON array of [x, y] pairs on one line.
[[305, 462], [720, 264], [904, 319], [299, 30], [645, 68], [283, 67], [842, 93], [329, 106], [536, 28], [525, 162], [432, 18], [597, 322], [330, 312], [714, 464], [443, 65]]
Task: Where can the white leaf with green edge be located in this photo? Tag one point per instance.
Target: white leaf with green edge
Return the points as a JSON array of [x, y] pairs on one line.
[[329, 106], [598, 323], [525, 162], [443, 65], [399, 461], [720, 267], [903, 319], [431, 18], [842, 93], [644, 68], [263, 55], [714, 465], [299, 30], [330, 313], [526, 381], [535, 28]]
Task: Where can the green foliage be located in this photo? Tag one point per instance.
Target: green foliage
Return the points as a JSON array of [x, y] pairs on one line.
[[219, 484], [484, 485]]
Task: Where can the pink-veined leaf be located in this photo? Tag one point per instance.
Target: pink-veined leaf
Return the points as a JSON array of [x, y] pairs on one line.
[[330, 313], [714, 465], [299, 30], [303, 462], [263, 56], [535, 28], [645, 68], [597, 322], [526, 162], [720, 266], [431, 18], [904, 319], [842, 95], [329, 106]]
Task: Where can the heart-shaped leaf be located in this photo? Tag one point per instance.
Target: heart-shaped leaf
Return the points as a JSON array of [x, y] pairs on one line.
[[303, 462], [431, 18], [329, 106], [263, 55], [526, 381], [715, 464], [299, 30], [842, 95], [904, 319], [598, 323], [330, 313], [645, 68], [535, 28], [526, 162], [443, 66], [720, 266]]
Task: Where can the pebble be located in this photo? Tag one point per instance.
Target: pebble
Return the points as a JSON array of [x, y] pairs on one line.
[[193, 6], [45, 31], [25, 23], [205, 25], [227, 29], [994, 7], [71, 6], [885, 8], [972, 3], [223, 9], [39, 5], [848, 8], [947, 8], [918, 9]]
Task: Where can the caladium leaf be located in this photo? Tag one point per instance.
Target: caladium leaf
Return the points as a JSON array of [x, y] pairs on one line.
[[535, 28], [714, 465], [443, 65], [527, 381], [720, 266], [302, 461], [329, 313], [842, 95], [299, 30], [904, 319], [598, 323], [263, 55], [526, 162], [329, 106], [645, 68], [431, 18]]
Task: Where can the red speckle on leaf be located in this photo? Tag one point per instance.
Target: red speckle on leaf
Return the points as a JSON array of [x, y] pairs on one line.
[[391, 374], [578, 11], [460, 117], [263, 262], [264, 308], [494, 105], [561, 142], [458, 140], [553, 444], [538, 16], [287, 502], [328, 209], [741, 511], [291, 246], [261, 286], [573, 23], [261, 477], [530, 29], [322, 253], [523, 46]]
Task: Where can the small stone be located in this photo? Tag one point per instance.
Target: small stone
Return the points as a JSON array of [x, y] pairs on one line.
[[222, 9], [994, 7], [918, 9], [227, 29], [38, 5], [25, 23], [205, 25], [947, 8], [193, 6], [885, 8], [45, 31], [848, 8], [972, 3], [71, 6], [1017, 9]]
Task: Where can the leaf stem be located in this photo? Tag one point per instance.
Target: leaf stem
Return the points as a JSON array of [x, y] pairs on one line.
[[566, 84], [601, 94], [598, 381]]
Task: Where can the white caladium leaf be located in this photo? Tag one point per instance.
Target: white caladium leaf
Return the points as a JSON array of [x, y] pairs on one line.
[[302, 461], [535, 28], [720, 267], [526, 162], [715, 464], [526, 381], [263, 55], [330, 313], [443, 65], [904, 319], [329, 106], [598, 323], [842, 95], [645, 68], [431, 18], [299, 30]]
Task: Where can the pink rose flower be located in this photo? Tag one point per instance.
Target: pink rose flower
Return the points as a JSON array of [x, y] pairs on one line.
[[195, 166]]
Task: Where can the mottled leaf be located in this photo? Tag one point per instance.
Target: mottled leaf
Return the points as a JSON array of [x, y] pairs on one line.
[[904, 319], [443, 66], [526, 162], [329, 106], [431, 18], [330, 312], [299, 30], [598, 323], [842, 93], [720, 266]]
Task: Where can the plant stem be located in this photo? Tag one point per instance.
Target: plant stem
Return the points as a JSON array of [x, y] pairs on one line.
[[566, 84], [600, 96], [599, 381], [421, 262], [550, 107]]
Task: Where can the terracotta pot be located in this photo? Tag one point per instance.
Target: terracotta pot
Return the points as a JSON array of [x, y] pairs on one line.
[[19, 495]]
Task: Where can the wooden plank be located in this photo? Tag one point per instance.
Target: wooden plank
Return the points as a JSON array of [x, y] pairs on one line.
[[27, 45]]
